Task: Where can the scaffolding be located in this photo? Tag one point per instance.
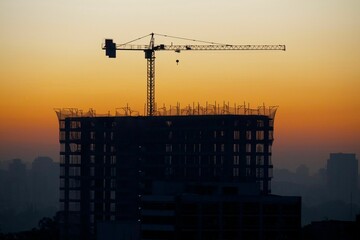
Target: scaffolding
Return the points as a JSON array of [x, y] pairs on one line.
[[177, 110]]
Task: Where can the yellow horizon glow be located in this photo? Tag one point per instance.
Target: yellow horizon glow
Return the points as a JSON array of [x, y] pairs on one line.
[[51, 57]]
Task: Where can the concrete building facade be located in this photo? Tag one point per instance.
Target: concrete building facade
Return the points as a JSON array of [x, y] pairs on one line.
[[111, 168], [342, 177]]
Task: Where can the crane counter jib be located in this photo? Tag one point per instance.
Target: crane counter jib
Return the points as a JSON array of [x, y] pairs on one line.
[[111, 47]]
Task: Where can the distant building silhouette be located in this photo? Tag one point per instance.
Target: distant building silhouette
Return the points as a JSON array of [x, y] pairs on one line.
[[18, 183], [332, 230], [27, 195], [342, 176], [45, 182], [171, 177]]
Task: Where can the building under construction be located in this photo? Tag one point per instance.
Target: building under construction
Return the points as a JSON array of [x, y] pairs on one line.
[[192, 173]]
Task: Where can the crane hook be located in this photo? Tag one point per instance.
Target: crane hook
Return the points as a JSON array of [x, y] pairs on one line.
[[177, 61]]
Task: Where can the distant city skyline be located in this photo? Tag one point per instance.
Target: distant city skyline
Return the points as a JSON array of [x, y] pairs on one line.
[[51, 57]]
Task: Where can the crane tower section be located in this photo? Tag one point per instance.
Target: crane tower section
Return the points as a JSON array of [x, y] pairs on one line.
[[110, 49]]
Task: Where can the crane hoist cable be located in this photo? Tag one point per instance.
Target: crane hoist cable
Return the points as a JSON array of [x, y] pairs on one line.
[[111, 47]]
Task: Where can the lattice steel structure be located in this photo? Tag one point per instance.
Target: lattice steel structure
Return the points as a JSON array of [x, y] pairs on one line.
[[110, 48], [107, 163]]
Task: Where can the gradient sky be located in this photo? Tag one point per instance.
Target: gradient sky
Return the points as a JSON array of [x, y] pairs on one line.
[[51, 57]]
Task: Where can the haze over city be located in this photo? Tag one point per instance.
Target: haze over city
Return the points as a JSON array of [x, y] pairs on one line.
[[51, 57]]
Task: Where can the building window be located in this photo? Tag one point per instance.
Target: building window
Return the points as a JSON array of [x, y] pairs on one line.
[[113, 160], [236, 147], [74, 171], [112, 207], [75, 135], [260, 160], [271, 135], [259, 172], [75, 159], [92, 135], [74, 206], [271, 123], [222, 147], [62, 159], [168, 171], [62, 124], [168, 160], [248, 148], [168, 148], [248, 160], [236, 135], [92, 147], [248, 135], [259, 135], [259, 148], [62, 136], [75, 124], [74, 194], [74, 183], [261, 185], [260, 123], [74, 147], [112, 183], [235, 172], [112, 195], [236, 160], [270, 172]]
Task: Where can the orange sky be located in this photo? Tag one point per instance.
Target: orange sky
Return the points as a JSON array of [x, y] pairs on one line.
[[51, 58]]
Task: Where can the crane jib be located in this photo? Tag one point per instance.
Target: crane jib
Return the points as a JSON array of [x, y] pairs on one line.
[[110, 48]]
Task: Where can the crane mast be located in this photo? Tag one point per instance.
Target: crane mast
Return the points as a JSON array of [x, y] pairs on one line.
[[110, 49], [150, 94]]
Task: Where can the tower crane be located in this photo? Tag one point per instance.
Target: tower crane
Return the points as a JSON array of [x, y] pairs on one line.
[[110, 49]]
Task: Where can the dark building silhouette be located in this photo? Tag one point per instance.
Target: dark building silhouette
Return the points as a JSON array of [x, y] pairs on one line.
[[171, 177], [342, 176], [45, 182], [332, 230], [28, 195], [19, 187]]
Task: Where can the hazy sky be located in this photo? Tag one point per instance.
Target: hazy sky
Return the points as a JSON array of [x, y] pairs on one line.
[[51, 57]]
